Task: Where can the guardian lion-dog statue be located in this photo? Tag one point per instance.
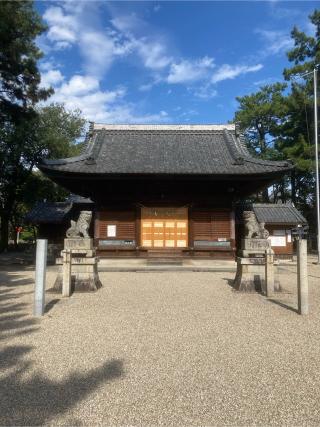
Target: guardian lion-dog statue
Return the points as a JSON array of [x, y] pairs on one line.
[[254, 229], [80, 228]]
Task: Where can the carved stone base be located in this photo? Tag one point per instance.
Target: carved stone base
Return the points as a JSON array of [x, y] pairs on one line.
[[79, 267], [250, 275], [78, 244], [254, 247], [84, 278]]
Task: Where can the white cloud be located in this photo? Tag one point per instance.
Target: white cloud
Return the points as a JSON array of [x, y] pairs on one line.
[[51, 78], [100, 46], [62, 28], [226, 71], [100, 50], [79, 85], [153, 53], [311, 29], [276, 41], [190, 71], [84, 93], [152, 49], [205, 92], [127, 23]]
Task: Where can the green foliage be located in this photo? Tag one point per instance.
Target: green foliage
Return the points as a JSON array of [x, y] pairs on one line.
[[278, 120], [53, 133], [259, 115], [27, 132], [56, 131], [19, 74]]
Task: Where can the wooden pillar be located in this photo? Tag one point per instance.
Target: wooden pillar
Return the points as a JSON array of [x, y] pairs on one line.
[[190, 227], [233, 231], [138, 226]]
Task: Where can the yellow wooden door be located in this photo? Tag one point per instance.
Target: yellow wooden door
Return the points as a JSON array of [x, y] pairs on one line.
[[164, 227]]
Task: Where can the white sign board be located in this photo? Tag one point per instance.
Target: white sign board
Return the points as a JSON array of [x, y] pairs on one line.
[[278, 240], [111, 230]]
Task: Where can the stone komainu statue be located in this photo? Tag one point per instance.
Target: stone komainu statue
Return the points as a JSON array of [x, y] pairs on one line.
[[80, 228], [254, 229]]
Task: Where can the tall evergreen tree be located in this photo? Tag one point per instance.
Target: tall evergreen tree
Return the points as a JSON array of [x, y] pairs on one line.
[[259, 116], [19, 92], [297, 132], [280, 124]]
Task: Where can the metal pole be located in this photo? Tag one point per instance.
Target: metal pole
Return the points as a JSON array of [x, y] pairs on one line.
[[40, 285], [317, 159]]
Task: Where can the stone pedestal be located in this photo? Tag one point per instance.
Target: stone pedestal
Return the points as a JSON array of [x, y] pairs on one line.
[[79, 271], [254, 247], [250, 274], [253, 273]]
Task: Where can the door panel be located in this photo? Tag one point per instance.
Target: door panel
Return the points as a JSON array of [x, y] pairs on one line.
[[164, 227]]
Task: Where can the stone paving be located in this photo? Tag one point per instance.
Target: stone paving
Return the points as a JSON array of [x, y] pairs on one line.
[[172, 348]]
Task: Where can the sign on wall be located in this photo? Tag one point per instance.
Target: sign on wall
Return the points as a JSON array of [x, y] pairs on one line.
[[278, 240], [111, 231]]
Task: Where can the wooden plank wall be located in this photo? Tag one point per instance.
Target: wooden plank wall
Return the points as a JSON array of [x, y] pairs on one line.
[[211, 224], [205, 224], [125, 221]]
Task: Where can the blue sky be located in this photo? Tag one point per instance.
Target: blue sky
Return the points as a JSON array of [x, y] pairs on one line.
[[165, 62]]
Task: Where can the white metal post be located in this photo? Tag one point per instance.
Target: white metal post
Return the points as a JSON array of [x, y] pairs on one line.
[[317, 158], [40, 284]]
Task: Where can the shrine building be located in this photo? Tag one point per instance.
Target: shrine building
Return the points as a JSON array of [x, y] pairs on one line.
[[164, 188]]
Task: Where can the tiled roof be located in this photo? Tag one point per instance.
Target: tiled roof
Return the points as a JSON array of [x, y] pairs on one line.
[[165, 149], [49, 212], [56, 212], [272, 213], [278, 214]]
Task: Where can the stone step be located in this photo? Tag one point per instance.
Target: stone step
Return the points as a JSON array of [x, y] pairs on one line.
[[164, 254], [164, 261]]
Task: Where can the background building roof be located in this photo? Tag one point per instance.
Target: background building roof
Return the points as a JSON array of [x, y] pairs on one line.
[[271, 213], [56, 212], [278, 214], [49, 213]]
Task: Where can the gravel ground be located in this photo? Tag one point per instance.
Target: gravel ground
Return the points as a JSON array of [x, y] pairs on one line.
[[159, 349]]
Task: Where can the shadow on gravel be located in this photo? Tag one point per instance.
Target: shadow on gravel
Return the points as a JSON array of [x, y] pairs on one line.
[[34, 400], [230, 282], [15, 318], [283, 305], [51, 304]]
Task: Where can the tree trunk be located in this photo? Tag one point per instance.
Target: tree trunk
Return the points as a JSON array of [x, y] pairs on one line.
[[4, 233], [293, 187], [265, 196]]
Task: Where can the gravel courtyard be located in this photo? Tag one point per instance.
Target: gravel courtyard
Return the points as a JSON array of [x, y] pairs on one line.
[[159, 349]]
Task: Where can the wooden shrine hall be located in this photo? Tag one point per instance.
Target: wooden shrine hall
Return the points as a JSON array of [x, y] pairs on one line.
[[164, 188]]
